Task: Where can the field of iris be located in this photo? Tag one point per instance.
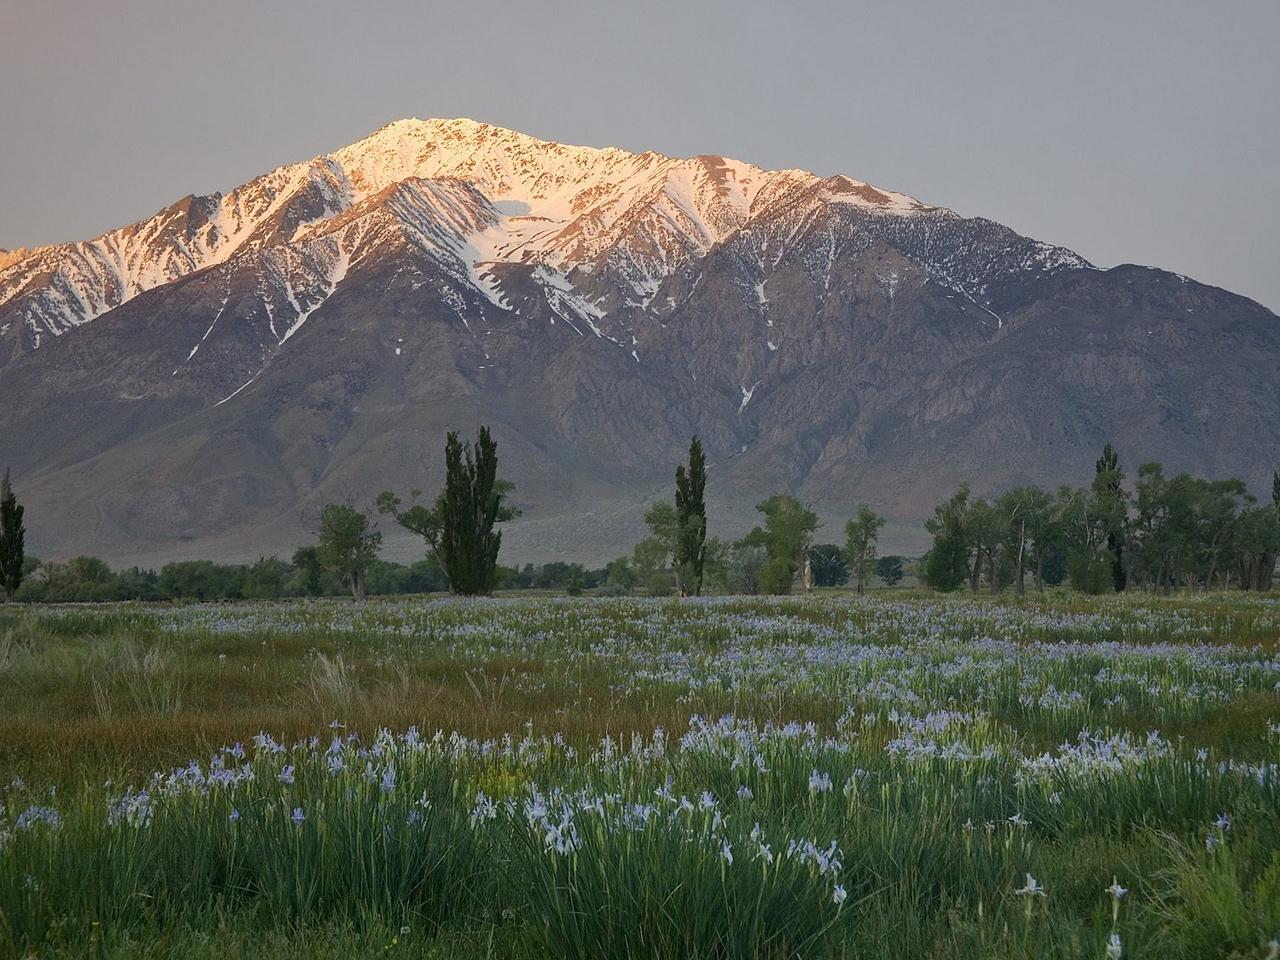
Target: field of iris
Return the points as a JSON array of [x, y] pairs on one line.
[[894, 777]]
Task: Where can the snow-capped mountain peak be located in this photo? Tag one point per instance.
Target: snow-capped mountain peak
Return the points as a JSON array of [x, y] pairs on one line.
[[626, 220]]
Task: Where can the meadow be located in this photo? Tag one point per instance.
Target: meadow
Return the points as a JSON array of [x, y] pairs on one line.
[[896, 776]]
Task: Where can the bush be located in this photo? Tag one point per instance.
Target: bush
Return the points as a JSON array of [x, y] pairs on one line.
[[946, 566], [776, 577], [745, 568], [1090, 572], [827, 562], [890, 570]]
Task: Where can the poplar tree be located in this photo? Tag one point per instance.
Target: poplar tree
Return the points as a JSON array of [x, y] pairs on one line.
[[691, 521], [458, 526], [472, 504], [12, 534], [1109, 493]]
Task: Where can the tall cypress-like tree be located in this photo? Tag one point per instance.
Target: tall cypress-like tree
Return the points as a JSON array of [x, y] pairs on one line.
[[12, 534], [691, 521], [472, 503], [1107, 488]]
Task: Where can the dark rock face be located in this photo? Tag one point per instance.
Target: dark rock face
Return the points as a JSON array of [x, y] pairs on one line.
[[822, 336]]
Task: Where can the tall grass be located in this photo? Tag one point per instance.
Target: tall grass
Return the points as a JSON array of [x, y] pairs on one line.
[[940, 755]]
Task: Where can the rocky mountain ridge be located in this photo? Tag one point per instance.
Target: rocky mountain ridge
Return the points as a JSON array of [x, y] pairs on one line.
[[192, 383]]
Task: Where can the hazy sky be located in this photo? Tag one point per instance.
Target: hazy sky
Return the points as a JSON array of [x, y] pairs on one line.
[[1129, 131]]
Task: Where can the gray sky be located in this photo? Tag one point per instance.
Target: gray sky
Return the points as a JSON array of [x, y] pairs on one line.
[[1130, 131]]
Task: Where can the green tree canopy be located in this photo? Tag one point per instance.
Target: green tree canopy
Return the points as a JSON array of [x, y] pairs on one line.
[[788, 531], [861, 538], [349, 542], [946, 565]]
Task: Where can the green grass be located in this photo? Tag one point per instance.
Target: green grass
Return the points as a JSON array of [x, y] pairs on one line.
[[590, 804]]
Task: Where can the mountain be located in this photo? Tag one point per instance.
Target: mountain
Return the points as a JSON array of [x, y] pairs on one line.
[[200, 382]]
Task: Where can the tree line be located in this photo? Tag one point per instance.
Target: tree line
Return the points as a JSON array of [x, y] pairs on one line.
[[88, 579], [1159, 533], [773, 558]]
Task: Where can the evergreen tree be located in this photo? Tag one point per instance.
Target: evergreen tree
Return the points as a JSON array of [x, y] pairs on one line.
[[691, 521], [12, 535]]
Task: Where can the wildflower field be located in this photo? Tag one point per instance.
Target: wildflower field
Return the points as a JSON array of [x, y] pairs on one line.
[[891, 777]]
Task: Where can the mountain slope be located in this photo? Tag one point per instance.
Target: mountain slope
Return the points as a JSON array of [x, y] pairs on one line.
[[191, 384]]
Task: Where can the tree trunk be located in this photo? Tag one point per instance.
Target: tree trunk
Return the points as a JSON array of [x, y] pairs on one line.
[[976, 573], [1022, 546], [357, 585]]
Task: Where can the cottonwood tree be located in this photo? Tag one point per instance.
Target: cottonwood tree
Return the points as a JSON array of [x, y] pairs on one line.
[[946, 565], [988, 534], [1085, 523], [306, 560], [1042, 531], [786, 535], [1255, 546], [12, 537], [1171, 531], [652, 555], [1026, 515], [862, 535], [745, 567], [691, 522], [349, 542], [417, 518], [664, 530]]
